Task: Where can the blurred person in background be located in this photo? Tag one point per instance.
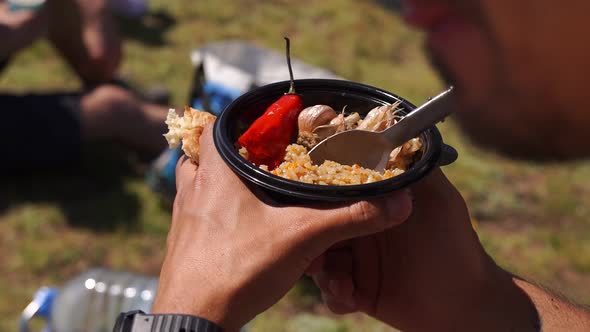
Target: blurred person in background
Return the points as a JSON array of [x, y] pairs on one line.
[[40, 130], [412, 259]]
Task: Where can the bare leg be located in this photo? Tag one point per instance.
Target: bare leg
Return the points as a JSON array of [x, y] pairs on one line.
[[19, 29], [85, 33], [111, 113]]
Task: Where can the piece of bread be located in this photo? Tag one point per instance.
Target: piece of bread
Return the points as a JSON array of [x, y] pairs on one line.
[[187, 129]]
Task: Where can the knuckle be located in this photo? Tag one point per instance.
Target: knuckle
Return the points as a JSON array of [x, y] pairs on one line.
[[201, 178], [299, 227], [184, 172], [179, 164], [362, 212], [206, 138]]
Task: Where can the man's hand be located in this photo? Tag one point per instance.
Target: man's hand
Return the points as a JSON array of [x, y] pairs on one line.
[[432, 274], [231, 254]]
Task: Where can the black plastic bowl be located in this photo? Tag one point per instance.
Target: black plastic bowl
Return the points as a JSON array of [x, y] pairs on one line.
[[236, 118]]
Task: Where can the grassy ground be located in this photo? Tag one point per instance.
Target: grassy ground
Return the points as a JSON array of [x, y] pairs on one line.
[[534, 220]]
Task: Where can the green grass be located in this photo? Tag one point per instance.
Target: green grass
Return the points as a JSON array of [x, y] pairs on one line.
[[532, 219]]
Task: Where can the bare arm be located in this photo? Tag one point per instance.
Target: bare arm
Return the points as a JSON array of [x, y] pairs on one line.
[[556, 314], [431, 273], [504, 302]]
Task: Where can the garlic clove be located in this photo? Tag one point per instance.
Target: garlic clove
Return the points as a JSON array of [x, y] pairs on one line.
[[381, 125], [390, 119], [380, 118], [352, 120], [374, 118], [339, 123], [392, 116], [338, 120], [315, 116], [394, 162], [325, 131]]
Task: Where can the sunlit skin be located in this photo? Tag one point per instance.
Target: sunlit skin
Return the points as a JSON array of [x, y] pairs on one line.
[[521, 68]]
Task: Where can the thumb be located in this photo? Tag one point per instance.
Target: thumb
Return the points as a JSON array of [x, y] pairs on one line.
[[330, 226]]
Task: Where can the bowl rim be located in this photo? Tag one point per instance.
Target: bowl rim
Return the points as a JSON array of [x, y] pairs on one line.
[[222, 138]]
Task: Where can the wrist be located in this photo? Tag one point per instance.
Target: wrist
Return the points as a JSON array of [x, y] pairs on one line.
[[198, 301], [193, 307], [138, 321]]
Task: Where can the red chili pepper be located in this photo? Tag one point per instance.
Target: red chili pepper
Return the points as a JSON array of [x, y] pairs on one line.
[[268, 137]]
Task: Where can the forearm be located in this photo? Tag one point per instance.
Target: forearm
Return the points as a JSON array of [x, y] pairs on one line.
[[491, 300], [556, 314], [508, 303], [485, 301], [499, 304]]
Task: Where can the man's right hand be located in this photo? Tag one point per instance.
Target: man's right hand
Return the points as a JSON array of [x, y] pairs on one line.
[[232, 253], [430, 273]]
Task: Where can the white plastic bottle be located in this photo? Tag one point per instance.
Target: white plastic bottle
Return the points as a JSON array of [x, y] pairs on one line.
[[91, 302]]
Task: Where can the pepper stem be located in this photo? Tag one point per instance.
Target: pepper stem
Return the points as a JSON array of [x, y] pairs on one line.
[[292, 85]]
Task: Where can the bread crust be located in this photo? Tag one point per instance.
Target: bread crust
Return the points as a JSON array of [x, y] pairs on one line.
[[187, 130]]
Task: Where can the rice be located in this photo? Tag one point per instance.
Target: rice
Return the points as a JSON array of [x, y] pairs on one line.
[[297, 166]]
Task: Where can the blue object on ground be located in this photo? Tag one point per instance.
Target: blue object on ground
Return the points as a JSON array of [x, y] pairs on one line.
[[217, 97], [39, 307]]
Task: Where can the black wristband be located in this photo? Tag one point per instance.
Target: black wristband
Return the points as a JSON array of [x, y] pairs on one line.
[[137, 321]]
